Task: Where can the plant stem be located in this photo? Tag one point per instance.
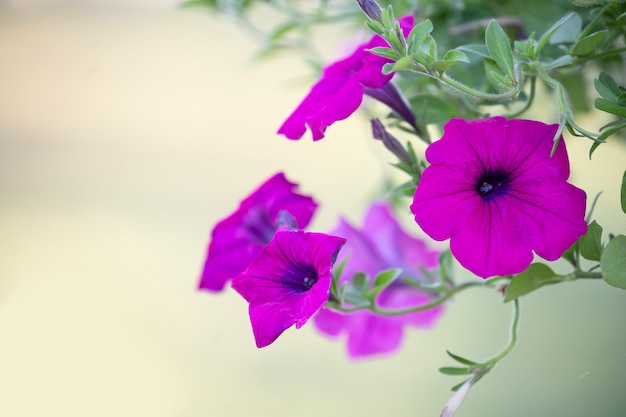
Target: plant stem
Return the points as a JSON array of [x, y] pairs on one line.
[[512, 338]]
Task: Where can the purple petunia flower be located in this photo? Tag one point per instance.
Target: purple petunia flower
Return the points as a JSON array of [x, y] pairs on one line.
[[380, 245], [340, 90], [493, 188], [288, 281], [237, 239]]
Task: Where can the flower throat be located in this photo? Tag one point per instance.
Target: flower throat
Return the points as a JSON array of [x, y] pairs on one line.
[[492, 184]]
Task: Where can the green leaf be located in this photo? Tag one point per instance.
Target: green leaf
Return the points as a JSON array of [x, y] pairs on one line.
[[607, 87], [476, 49], [282, 30], [565, 30], [534, 277], [495, 76], [403, 63], [452, 57], [461, 359], [613, 262], [590, 43], [445, 266], [591, 242], [559, 62], [418, 34], [337, 271], [383, 280], [610, 107], [450, 370], [499, 48], [384, 52], [623, 193]]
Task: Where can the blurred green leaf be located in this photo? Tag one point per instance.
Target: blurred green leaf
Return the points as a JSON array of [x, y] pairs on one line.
[[610, 107], [565, 30], [613, 262], [450, 370], [418, 34], [499, 48], [385, 52], [534, 277], [591, 242], [461, 359], [476, 49], [607, 87], [383, 280], [590, 43]]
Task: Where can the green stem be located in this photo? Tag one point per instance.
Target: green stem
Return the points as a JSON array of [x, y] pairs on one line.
[[447, 293], [529, 101], [457, 85], [599, 55], [512, 338]]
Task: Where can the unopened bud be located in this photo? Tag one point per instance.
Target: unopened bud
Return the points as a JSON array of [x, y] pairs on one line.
[[371, 9], [379, 132]]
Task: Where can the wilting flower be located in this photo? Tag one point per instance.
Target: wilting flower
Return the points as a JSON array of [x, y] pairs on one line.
[[493, 188], [237, 239], [288, 281], [340, 90], [380, 245]]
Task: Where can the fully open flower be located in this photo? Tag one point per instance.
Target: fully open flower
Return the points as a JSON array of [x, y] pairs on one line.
[[493, 188], [380, 245], [288, 281], [237, 239], [339, 92]]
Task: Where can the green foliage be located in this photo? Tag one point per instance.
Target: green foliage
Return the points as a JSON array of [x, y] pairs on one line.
[[613, 262], [591, 242], [534, 277]]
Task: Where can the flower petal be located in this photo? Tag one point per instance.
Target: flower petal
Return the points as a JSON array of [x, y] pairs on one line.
[[238, 239], [288, 281]]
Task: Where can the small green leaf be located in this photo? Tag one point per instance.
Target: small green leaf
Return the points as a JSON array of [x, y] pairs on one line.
[[457, 386], [565, 30], [384, 52], [610, 107], [499, 48], [613, 262], [534, 277], [451, 370], [418, 35], [403, 63], [445, 266], [623, 193], [591, 242], [590, 43], [460, 359], [476, 49], [383, 280], [607, 87], [559, 62]]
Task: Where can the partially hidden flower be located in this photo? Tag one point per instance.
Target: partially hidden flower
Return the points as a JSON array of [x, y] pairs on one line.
[[340, 90], [239, 238], [495, 191], [379, 245], [288, 281]]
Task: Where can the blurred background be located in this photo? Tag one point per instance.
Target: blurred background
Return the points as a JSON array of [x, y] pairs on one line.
[[127, 129]]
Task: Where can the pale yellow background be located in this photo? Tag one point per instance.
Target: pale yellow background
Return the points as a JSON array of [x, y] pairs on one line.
[[126, 132]]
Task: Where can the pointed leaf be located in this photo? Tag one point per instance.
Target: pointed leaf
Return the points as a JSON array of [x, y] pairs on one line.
[[591, 242], [450, 370], [590, 43], [418, 34], [499, 48], [383, 280], [460, 359], [613, 262], [534, 277]]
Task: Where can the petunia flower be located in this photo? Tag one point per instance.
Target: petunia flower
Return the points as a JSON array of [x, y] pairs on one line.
[[340, 90], [494, 190], [288, 281], [239, 238], [380, 245]]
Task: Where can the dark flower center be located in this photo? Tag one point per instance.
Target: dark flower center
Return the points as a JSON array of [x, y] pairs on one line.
[[492, 184], [299, 278], [258, 225]]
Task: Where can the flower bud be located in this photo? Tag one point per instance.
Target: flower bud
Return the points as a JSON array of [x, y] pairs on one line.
[[371, 9]]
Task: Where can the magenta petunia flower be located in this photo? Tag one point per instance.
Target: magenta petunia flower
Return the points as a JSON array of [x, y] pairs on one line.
[[380, 245], [288, 281], [237, 239], [494, 190], [339, 92]]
